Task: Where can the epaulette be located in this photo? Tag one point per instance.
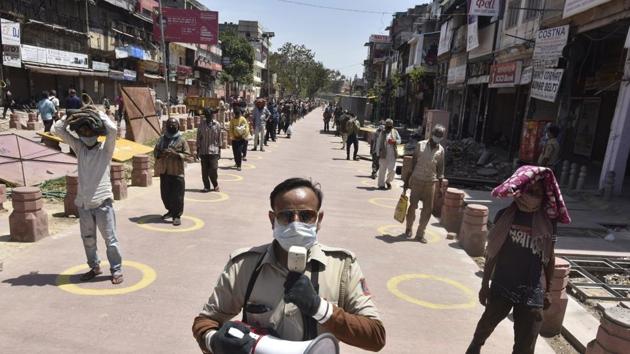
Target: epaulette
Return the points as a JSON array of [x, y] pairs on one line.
[[248, 250], [338, 251]]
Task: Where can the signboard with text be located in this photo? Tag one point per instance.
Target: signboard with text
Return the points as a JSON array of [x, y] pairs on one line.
[[472, 33], [188, 26], [574, 7], [379, 38], [546, 83], [549, 45], [11, 43], [484, 7], [446, 36], [505, 74]]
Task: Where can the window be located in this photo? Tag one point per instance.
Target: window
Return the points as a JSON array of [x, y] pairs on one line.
[[535, 5], [512, 13]]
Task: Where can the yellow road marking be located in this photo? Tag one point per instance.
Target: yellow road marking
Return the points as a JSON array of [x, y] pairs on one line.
[[63, 280], [393, 283], [197, 224]]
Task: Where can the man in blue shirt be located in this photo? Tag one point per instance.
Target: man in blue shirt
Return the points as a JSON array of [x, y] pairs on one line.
[[73, 102], [46, 110]]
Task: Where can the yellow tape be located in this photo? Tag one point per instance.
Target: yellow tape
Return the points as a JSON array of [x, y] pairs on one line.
[[63, 280], [379, 202], [234, 178], [393, 283], [222, 197], [197, 224], [393, 229]]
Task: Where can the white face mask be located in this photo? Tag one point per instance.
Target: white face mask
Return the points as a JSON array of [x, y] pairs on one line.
[[295, 234], [89, 141], [436, 139]]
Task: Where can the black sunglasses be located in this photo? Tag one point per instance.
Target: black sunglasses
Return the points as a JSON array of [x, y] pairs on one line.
[[286, 217]]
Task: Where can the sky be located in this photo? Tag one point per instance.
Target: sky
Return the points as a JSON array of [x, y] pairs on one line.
[[337, 37]]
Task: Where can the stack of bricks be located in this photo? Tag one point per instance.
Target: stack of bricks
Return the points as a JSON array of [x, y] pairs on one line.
[[33, 123], [72, 188], [452, 210], [3, 195], [141, 174], [15, 121], [474, 230], [119, 183], [438, 200], [613, 336], [28, 222], [554, 315]]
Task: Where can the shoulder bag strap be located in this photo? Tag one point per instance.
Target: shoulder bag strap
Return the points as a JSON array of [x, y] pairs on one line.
[[250, 285]]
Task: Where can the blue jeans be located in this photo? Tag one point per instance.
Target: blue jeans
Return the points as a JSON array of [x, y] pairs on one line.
[[102, 217]]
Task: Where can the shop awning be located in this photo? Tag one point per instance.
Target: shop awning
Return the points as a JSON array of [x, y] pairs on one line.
[[55, 70], [153, 77]]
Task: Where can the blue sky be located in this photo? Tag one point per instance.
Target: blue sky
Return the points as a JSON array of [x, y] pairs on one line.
[[337, 37]]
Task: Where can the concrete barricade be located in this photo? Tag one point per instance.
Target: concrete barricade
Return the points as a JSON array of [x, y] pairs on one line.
[[141, 174], [72, 188], [438, 199], [554, 315], [33, 123], [474, 230], [14, 121], [452, 210], [613, 336], [119, 183], [28, 222]]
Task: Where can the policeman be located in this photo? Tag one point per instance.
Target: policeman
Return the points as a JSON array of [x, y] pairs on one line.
[[331, 296]]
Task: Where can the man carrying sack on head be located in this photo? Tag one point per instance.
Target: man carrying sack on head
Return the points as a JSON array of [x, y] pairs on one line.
[[94, 195]]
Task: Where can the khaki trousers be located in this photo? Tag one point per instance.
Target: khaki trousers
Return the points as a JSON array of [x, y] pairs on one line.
[[420, 191]]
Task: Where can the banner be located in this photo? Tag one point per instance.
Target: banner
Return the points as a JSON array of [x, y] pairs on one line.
[[188, 26], [484, 8], [546, 83], [526, 76], [574, 7], [99, 66], [129, 75], [429, 51], [456, 75], [549, 45], [446, 36], [505, 74], [11, 43], [472, 33]]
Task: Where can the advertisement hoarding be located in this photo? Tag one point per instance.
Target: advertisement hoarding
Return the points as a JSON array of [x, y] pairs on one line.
[[188, 26]]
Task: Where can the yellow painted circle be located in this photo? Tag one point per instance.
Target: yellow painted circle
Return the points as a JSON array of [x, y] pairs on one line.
[[255, 157], [381, 202], [248, 166], [369, 183], [197, 224], [431, 235], [222, 197], [63, 280], [232, 177], [393, 283]]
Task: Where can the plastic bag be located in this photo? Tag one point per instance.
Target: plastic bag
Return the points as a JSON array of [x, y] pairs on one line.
[[401, 208]]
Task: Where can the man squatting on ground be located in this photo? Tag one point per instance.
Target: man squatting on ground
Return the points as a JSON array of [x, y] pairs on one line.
[[332, 295], [94, 195]]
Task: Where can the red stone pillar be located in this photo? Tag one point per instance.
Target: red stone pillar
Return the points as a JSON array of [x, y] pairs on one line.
[[72, 188], [554, 315], [141, 174], [182, 124], [33, 123], [192, 145], [28, 222], [613, 335], [474, 230], [438, 200], [15, 121], [119, 183], [452, 210], [3, 195], [189, 123], [197, 121]]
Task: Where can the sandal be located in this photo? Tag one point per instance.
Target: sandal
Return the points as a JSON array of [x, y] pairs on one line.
[[91, 274], [117, 278]]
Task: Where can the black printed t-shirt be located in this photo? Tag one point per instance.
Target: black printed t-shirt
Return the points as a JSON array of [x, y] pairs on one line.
[[518, 270]]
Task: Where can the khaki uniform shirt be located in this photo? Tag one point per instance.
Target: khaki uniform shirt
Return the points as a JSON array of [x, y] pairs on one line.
[[338, 269], [428, 163]]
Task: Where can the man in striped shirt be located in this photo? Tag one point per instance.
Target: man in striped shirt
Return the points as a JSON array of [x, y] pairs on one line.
[[209, 149]]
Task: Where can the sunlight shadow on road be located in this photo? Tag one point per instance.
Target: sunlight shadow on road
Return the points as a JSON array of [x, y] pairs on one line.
[[387, 238], [38, 279], [149, 219]]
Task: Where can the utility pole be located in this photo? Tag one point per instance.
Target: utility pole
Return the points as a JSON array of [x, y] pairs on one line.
[[2, 83], [164, 60]]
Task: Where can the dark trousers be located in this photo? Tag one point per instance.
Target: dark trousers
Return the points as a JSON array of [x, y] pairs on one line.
[[354, 140], [237, 149], [270, 132], [375, 164], [527, 323], [172, 189], [47, 125], [245, 144], [326, 125], [209, 167], [7, 107]]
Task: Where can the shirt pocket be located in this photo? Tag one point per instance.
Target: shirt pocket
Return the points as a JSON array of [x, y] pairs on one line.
[[260, 316]]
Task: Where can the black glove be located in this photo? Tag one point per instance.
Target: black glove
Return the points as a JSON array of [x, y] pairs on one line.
[[299, 290], [224, 343]]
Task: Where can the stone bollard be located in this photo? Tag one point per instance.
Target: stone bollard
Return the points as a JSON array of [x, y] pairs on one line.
[[438, 199], [405, 172], [224, 139], [141, 174], [452, 210], [182, 124], [613, 335], [119, 183], [190, 123], [72, 188], [3, 195], [581, 179], [609, 185], [15, 121], [554, 315], [28, 222], [197, 121], [33, 123], [564, 175], [474, 230], [182, 109], [192, 145], [173, 109], [573, 175]]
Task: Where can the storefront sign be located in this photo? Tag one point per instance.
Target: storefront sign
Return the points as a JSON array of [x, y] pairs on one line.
[[188, 26], [549, 45], [573, 7], [53, 57], [484, 7], [33, 54], [188, 82], [10, 43], [121, 53], [11, 56], [379, 38], [446, 36], [472, 33], [116, 75], [129, 75], [100, 66], [526, 76], [505, 74], [456, 75], [546, 83], [184, 70]]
